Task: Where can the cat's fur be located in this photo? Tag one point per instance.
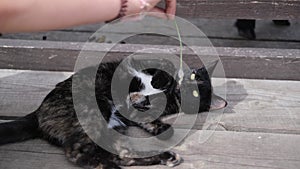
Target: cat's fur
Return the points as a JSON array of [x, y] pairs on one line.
[[56, 120]]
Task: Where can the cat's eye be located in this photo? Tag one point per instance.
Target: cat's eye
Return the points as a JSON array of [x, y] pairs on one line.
[[193, 76], [195, 93]]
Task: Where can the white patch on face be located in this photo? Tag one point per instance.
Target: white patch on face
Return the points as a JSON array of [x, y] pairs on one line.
[[146, 80]]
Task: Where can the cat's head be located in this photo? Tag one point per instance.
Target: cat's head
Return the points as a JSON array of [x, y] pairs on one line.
[[202, 78], [201, 98]]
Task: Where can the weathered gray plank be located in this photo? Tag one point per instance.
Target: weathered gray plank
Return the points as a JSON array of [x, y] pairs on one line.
[[155, 40], [218, 40], [219, 35], [244, 9], [254, 105], [216, 30], [235, 150], [265, 30], [224, 29], [74, 36], [36, 85], [130, 48], [238, 62], [28, 160]]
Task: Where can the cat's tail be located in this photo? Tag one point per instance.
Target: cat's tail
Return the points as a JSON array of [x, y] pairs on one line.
[[20, 129]]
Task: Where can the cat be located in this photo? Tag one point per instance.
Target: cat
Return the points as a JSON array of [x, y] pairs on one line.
[[57, 122]]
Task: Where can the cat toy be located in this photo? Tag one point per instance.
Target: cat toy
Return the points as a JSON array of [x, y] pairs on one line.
[[181, 72]]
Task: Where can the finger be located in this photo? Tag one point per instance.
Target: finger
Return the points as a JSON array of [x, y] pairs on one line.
[[171, 8], [154, 2]]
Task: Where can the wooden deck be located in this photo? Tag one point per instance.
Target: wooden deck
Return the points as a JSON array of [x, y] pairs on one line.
[[260, 127]]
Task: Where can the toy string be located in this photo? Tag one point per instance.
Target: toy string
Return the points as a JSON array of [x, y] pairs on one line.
[[180, 72]]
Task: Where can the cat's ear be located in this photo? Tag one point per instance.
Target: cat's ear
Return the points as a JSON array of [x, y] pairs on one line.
[[217, 102], [210, 67]]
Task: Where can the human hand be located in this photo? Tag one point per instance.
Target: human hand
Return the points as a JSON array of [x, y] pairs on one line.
[[143, 6]]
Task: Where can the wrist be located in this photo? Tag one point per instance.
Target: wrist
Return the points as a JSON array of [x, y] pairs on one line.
[[132, 7]]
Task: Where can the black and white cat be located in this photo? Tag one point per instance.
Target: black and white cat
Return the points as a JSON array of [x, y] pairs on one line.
[[56, 119]]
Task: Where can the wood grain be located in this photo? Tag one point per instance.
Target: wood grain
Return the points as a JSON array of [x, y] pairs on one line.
[[202, 149], [244, 9]]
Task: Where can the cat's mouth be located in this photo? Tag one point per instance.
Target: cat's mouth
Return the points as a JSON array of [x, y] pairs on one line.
[[141, 107], [139, 101]]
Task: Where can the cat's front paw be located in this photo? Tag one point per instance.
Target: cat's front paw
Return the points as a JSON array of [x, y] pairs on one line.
[[170, 159]]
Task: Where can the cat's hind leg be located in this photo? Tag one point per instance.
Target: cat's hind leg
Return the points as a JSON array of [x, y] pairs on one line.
[[89, 156]]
